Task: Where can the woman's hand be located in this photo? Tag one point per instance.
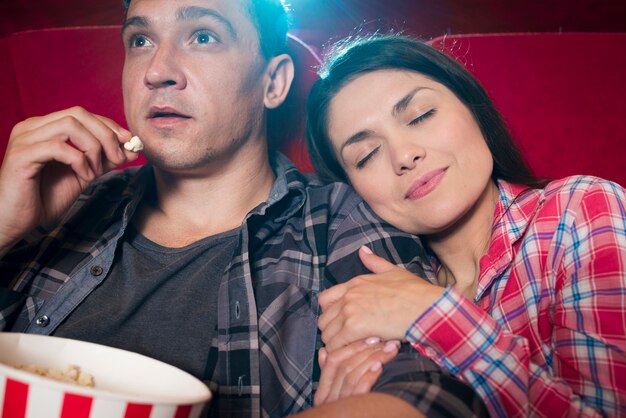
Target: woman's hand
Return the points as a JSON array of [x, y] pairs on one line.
[[353, 369], [384, 304]]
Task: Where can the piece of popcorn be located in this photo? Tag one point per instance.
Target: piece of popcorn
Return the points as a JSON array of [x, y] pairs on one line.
[[134, 145], [70, 374], [54, 374], [85, 379]]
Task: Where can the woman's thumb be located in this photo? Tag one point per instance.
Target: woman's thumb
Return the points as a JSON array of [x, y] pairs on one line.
[[374, 263]]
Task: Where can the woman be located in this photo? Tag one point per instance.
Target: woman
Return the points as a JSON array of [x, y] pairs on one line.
[[530, 301]]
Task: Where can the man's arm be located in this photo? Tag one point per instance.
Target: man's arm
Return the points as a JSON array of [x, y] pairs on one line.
[[410, 377], [373, 405]]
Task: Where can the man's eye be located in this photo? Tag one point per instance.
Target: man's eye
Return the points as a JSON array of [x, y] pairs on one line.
[[139, 41], [204, 38]]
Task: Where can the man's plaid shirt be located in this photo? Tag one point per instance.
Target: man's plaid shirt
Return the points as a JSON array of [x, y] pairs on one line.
[[303, 239]]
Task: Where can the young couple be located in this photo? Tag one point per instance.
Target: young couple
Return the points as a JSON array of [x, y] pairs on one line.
[[212, 256]]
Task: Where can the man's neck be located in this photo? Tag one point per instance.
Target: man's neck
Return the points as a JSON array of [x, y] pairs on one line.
[[188, 207]]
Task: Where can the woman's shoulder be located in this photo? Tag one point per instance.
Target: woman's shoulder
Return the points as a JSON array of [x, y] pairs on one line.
[[582, 185], [576, 193]]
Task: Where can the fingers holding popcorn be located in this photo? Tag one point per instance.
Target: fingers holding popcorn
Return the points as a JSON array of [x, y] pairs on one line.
[[134, 145], [49, 161]]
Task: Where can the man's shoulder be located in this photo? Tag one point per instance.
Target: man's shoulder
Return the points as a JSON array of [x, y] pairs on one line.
[[330, 199], [339, 197], [106, 194], [114, 180]]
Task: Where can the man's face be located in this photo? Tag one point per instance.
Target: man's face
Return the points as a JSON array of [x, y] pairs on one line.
[[193, 80]]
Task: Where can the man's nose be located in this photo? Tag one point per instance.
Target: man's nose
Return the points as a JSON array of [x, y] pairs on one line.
[[164, 69]]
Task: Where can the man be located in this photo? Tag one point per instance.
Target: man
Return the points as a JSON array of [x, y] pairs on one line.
[[212, 256]]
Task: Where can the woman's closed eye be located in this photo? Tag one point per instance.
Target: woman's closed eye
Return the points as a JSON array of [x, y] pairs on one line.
[[422, 117], [361, 163]]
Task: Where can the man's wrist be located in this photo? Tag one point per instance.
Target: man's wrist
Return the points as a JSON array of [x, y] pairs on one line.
[[363, 406]]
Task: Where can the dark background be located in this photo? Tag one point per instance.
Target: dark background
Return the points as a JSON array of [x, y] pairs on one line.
[[315, 21]]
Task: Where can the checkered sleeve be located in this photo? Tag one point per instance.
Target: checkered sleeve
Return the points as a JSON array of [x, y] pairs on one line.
[[355, 225], [586, 372], [420, 382], [410, 376]]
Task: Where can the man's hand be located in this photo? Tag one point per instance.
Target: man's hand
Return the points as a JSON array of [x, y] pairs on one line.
[[43, 174], [353, 369], [384, 304]]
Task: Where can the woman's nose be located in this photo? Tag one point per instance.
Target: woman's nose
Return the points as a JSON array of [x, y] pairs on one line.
[[405, 154]]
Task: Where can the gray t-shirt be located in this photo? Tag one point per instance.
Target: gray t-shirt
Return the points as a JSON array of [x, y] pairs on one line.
[[148, 284]]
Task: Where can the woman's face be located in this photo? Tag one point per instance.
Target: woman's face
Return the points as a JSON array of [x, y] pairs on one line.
[[410, 148]]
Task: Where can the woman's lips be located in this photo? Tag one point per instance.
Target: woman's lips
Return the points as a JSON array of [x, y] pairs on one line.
[[425, 184]]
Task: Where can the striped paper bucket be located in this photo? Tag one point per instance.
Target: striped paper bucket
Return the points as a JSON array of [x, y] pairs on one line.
[[127, 385]]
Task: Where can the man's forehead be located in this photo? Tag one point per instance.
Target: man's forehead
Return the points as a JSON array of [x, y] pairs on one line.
[[233, 10]]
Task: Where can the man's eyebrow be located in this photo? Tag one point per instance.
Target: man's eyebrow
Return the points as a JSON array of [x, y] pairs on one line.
[[135, 21], [197, 12], [357, 137], [404, 102], [185, 13]]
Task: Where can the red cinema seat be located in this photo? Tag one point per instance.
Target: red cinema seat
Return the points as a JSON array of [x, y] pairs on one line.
[[52, 69], [11, 103], [563, 95]]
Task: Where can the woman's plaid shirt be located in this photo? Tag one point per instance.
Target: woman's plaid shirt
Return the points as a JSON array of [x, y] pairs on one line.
[[546, 335]]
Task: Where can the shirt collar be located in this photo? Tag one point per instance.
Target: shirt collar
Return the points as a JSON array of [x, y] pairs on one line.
[[516, 207], [289, 182]]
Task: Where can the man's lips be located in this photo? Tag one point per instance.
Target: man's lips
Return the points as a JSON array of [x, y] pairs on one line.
[[425, 183], [166, 112]]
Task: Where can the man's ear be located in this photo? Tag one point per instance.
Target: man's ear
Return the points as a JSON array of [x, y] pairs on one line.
[[280, 72]]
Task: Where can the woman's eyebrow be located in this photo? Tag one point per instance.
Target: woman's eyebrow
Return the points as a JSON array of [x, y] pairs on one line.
[[357, 137], [403, 103]]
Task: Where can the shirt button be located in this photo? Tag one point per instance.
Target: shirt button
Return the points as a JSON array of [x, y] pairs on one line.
[[43, 321], [237, 310], [96, 270]]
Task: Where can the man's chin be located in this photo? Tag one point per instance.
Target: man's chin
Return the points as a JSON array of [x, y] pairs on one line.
[[180, 164]]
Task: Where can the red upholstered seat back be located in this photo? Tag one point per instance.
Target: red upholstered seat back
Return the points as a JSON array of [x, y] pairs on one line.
[[563, 95], [54, 69], [10, 100], [58, 68]]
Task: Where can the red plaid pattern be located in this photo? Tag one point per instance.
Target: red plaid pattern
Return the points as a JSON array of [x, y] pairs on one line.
[[546, 334]]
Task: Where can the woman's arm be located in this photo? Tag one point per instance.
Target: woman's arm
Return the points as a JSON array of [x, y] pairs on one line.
[[586, 323], [586, 352]]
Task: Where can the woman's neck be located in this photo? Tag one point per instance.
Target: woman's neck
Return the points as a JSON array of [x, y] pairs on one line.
[[460, 248]]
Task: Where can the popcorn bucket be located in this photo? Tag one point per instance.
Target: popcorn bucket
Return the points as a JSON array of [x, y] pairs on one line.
[[127, 385]]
